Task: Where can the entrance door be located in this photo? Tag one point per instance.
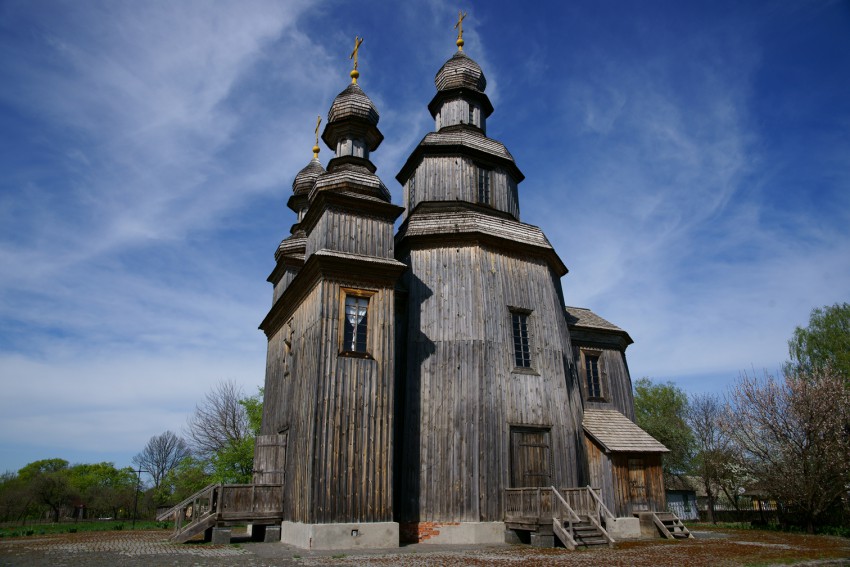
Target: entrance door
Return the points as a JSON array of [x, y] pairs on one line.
[[270, 458], [637, 486], [530, 458]]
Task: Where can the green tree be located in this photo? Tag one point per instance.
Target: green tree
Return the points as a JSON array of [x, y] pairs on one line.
[[223, 429], [15, 498], [49, 484], [188, 477], [661, 410], [824, 343], [102, 488]]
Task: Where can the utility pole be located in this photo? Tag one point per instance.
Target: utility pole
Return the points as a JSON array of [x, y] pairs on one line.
[[136, 499]]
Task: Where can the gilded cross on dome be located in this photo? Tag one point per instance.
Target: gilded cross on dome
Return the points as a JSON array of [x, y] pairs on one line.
[[354, 72], [459, 27], [316, 146]]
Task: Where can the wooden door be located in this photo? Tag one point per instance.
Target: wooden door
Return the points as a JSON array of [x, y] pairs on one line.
[[637, 486], [270, 458], [530, 458]]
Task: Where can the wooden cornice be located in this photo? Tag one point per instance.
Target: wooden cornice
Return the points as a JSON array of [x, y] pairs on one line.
[[353, 269]]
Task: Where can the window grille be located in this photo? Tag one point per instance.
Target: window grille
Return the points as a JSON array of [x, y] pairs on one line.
[[484, 186], [522, 348], [592, 375]]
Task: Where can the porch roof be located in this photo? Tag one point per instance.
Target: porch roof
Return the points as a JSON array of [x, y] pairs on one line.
[[618, 434]]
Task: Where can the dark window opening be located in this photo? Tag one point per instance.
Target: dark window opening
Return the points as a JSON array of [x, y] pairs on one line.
[[484, 186], [522, 349], [594, 379]]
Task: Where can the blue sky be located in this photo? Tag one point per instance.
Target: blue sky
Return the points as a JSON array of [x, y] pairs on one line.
[[690, 161]]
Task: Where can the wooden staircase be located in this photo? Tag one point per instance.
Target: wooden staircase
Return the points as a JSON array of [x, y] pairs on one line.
[[576, 530], [224, 504], [671, 526]]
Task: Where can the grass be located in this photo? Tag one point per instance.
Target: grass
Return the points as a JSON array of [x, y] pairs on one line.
[[75, 527]]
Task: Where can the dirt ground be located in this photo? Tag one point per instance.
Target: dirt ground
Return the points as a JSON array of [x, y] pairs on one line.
[[726, 547]]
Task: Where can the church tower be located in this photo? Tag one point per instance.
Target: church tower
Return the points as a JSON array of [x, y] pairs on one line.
[[329, 394], [489, 390]]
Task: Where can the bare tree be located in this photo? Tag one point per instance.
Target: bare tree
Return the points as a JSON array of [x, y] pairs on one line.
[[220, 420], [714, 457], [161, 455], [793, 436]]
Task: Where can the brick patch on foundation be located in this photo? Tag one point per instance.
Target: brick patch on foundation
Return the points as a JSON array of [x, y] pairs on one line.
[[417, 532]]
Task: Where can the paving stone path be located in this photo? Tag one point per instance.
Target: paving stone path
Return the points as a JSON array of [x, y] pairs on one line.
[[151, 548]]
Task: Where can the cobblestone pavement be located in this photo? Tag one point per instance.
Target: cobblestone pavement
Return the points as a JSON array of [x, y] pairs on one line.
[[151, 548]]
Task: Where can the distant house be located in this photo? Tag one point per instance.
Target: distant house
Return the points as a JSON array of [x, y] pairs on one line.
[[682, 497]]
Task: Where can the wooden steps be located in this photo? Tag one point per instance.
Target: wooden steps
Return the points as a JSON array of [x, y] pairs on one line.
[[590, 534], [671, 526], [225, 504], [191, 530]]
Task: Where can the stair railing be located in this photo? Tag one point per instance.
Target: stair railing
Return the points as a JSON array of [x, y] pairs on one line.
[[602, 510], [560, 503], [193, 509]]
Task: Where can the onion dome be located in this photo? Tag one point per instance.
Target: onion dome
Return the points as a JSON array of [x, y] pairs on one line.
[[353, 102], [307, 176], [352, 115], [460, 72]]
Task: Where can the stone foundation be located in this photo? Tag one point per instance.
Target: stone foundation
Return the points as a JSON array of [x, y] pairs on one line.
[[453, 532], [366, 535], [623, 528]]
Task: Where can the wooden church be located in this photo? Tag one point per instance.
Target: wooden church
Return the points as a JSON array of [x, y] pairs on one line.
[[429, 385]]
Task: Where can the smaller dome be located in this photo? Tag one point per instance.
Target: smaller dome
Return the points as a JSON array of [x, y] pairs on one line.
[[307, 176], [460, 72], [353, 102]]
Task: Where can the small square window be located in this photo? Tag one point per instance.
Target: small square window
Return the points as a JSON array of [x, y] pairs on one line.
[[354, 322], [484, 186], [522, 347]]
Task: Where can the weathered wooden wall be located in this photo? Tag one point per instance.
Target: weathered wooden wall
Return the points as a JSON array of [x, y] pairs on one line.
[[456, 111], [337, 410], [340, 230], [617, 384], [611, 473], [455, 178], [462, 390]]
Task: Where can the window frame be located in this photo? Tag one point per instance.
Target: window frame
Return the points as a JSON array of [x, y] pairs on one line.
[[524, 317], [484, 185], [602, 394], [344, 294]]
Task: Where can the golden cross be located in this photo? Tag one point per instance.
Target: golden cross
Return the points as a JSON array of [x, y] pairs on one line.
[[357, 42], [318, 121], [316, 147], [459, 27]]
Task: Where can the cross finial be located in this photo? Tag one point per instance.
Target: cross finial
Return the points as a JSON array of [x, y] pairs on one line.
[[354, 72], [459, 27], [316, 147]]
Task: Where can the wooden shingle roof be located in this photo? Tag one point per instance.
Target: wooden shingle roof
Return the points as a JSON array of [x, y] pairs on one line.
[[591, 324], [584, 317], [618, 434]]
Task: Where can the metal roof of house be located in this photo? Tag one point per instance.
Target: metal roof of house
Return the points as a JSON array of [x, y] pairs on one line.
[[618, 434]]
